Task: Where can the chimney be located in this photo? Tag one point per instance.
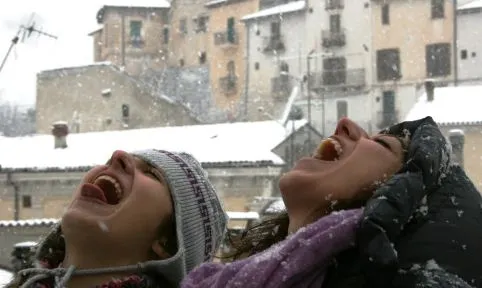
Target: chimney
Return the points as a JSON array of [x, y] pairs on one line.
[[60, 130], [457, 140], [430, 89]]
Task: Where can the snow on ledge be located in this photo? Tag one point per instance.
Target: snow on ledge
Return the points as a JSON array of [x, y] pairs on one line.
[[277, 10]]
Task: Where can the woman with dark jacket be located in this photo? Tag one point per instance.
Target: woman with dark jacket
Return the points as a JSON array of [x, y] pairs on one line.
[[385, 211]]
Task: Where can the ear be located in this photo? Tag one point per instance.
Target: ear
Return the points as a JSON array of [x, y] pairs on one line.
[[159, 250]]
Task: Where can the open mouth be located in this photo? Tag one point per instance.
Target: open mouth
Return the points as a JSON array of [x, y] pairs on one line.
[[328, 150], [105, 189]]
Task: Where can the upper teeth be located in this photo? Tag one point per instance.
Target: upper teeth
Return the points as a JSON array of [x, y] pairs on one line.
[[336, 144], [112, 180]]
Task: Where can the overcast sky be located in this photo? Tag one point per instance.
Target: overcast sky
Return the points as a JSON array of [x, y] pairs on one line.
[[70, 22]]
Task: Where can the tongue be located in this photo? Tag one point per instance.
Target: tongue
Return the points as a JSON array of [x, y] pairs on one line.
[[92, 191], [328, 151]]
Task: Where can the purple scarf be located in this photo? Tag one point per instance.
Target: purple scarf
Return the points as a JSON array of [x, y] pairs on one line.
[[299, 261]]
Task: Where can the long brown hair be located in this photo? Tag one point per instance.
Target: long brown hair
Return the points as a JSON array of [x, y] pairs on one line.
[[271, 230]]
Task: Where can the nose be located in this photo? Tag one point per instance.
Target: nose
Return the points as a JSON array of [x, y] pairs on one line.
[[122, 161], [350, 129]]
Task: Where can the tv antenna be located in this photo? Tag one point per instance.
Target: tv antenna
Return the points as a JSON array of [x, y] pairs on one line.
[[24, 32]]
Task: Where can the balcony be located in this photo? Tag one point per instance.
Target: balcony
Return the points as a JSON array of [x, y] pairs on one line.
[[333, 38], [334, 4], [281, 86], [352, 78], [226, 39], [228, 84], [387, 118], [273, 43]]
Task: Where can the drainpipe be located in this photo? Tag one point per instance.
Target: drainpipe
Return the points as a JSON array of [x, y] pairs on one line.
[[16, 200], [246, 74], [455, 44]]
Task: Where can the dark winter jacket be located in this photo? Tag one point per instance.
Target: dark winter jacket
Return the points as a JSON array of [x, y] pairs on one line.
[[423, 228]]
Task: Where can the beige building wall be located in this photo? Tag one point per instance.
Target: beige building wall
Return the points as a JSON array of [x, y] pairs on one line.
[[189, 25], [92, 98], [472, 151], [227, 69], [112, 42], [411, 28]]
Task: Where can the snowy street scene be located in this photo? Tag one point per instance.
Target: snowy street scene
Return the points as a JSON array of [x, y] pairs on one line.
[[241, 143]]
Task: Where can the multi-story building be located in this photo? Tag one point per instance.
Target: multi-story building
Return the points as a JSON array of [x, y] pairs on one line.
[[411, 41], [132, 36], [469, 37], [321, 47], [227, 43], [189, 22], [102, 97]]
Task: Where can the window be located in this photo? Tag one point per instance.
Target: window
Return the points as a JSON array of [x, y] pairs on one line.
[[202, 24], [463, 54], [165, 35], [334, 71], [385, 14], [341, 109], [438, 9], [27, 201], [181, 62], [136, 33], [183, 26], [202, 57], [284, 68], [230, 33], [389, 114], [275, 30], [106, 38], [256, 66], [437, 59], [388, 65], [231, 68], [125, 111], [335, 23]]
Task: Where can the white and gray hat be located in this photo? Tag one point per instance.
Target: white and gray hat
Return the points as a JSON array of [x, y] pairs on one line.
[[199, 216]]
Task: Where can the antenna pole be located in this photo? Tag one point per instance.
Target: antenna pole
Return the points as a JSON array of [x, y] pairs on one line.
[[14, 42], [27, 30]]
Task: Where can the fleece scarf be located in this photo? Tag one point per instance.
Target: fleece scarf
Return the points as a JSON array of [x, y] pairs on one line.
[[301, 260]]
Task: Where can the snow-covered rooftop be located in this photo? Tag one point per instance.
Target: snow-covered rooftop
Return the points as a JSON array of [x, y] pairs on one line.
[[277, 10], [471, 5], [248, 142], [25, 244], [243, 215], [276, 206], [5, 277], [29, 222], [215, 2], [138, 3], [451, 106]]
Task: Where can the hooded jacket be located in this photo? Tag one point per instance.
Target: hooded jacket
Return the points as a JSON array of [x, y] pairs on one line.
[[423, 228]]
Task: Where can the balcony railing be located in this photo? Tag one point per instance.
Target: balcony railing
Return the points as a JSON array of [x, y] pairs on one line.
[[352, 78], [333, 38], [334, 4], [226, 38], [228, 84], [387, 118], [281, 86], [273, 43]]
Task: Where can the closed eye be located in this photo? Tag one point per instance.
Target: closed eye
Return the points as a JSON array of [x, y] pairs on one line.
[[151, 172], [383, 143]]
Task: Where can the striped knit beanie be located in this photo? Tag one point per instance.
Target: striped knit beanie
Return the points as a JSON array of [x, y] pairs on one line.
[[199, 215]]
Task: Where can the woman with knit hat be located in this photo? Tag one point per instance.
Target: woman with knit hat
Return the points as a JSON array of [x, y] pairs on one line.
[[144, 219], [384, 211]]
